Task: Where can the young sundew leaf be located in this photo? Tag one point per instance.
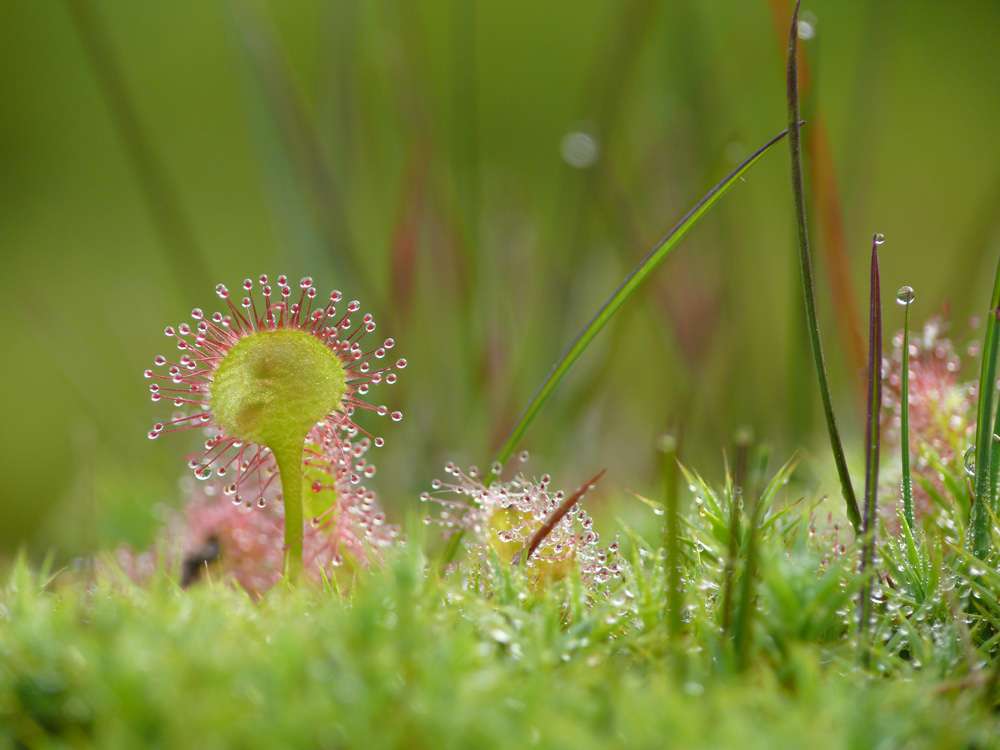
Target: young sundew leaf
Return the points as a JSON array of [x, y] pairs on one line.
[[872, 433], [805, 267], [622, 293]]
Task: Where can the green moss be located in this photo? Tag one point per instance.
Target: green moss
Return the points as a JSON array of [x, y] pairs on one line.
[[411, 661]]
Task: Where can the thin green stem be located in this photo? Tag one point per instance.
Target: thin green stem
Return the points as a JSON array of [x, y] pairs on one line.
[[805, 267], [290, 470], [732, 549], [301, 137], [906, 297], [735, 484], [994, 463], [743, 625], [163, 199]]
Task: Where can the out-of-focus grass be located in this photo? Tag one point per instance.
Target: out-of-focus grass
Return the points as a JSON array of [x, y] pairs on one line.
[[482, 251]]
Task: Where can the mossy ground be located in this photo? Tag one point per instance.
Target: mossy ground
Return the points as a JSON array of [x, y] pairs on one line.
[[407, 659]]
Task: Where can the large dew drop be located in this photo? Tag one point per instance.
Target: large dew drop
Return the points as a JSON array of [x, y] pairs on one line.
[[905, 295], [970, 461]]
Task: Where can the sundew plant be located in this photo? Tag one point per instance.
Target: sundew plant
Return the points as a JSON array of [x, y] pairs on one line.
[[282, 602], [275, 390]]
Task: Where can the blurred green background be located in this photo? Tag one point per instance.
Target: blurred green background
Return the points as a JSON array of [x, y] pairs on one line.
[[481, 175]]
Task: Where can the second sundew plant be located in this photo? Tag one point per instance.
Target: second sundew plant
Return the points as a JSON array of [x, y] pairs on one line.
[[276, 386], [524, 522]]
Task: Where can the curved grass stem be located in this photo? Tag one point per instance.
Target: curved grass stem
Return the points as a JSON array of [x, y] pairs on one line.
[[617, 299], [605, 313], [808, 286]]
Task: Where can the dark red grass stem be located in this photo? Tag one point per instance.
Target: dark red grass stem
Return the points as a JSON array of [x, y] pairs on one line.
[[553, 518]]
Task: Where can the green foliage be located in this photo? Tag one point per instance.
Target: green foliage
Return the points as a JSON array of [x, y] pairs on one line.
[[411, 660], [986, 456], [340, 141]]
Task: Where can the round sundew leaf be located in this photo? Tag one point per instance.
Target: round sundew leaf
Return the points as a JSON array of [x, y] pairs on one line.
[[273, 386]]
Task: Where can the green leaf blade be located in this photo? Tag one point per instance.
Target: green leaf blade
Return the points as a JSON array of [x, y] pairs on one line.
[[618, 298]]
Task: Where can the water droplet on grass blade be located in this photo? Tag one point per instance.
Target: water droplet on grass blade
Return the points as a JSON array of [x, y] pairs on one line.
[[970, 461], [905, 295], [879, 238]]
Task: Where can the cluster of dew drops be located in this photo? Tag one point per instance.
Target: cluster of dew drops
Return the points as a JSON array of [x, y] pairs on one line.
[[573, 537], [214, 336]]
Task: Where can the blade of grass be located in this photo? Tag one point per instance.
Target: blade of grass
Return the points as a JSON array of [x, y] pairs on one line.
[[731, 492], [979, 520], [743, 626], [162, 198], [465, 117], [734, 491], [871, 441], [994, 459], [905, 297], [825, 199], [669, 447], [301, 138], [608, 309], [617, 299], [805, 267]]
